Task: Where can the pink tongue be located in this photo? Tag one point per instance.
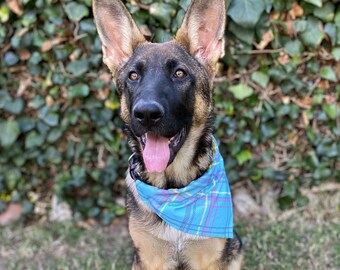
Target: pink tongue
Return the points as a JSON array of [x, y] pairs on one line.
[[156, 154]]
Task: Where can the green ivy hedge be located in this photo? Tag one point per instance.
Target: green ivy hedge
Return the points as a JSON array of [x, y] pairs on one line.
[[277, 99]]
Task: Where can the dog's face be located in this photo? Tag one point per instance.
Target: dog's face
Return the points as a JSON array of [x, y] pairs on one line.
[[165, 89], [159, 84]]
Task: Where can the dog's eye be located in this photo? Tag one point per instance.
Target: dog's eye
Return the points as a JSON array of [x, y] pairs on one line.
[[180, 74], [133, 76]]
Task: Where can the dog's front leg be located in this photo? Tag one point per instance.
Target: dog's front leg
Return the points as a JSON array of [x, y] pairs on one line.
[[151, 253], [211, 254]]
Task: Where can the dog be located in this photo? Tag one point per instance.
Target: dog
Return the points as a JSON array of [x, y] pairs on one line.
[[166, 98]]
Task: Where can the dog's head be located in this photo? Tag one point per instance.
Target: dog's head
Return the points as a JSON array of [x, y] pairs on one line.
[[166, 89]]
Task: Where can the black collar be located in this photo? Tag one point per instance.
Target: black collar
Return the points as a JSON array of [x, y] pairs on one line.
[[133, 166]]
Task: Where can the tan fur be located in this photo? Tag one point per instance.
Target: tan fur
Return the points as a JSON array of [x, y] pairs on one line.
[[236, 264], [124, 111], [205, 254], [154, 253], [202, 109]]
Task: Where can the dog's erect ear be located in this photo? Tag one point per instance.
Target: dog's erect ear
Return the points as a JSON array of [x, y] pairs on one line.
[[118, 32], [202, 31]]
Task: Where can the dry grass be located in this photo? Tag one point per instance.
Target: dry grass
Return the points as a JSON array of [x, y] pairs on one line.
[[305, 238], [64, 247]]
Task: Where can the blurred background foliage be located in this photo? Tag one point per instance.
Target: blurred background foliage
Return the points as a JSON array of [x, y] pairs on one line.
[[277, 100]]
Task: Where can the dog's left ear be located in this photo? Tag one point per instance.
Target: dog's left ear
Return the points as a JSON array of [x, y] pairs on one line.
[[202, 31]]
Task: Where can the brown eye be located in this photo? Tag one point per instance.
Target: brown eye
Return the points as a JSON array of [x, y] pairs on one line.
[[133, 76], [180, 74]]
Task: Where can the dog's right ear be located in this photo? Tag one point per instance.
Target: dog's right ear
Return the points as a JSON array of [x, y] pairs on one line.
[[118, 32], [202, 31]]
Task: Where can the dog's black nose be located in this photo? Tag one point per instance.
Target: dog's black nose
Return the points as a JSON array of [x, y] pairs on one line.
[[148, 113]]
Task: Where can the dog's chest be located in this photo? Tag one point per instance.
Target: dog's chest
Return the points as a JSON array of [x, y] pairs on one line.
[[173, 236]]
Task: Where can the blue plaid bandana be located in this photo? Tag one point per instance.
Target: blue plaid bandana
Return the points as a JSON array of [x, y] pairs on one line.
[[202, 208]]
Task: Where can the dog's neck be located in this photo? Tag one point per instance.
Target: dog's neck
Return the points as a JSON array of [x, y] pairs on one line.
[[191, 162]]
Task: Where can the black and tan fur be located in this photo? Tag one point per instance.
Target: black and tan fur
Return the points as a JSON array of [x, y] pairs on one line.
[[186, 104]]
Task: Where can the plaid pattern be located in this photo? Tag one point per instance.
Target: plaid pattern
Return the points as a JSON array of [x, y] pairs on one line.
[[203, 208]]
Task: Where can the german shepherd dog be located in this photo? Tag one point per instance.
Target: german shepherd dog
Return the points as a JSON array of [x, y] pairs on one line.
[[167, 105]]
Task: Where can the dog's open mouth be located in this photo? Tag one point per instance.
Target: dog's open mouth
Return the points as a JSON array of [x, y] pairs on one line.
[[159, 151]]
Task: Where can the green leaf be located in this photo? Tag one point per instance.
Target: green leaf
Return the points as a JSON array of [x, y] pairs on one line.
[[4, 98], [11, 58], [49, 117], [27, 207], [243, 156], [243, 34], [290, 189], [246, 13], [78, 67], [34, 139], [26, 123], [260, 78], [331, 110], [317, 3], [328, 73], [300, 26], [294, 48], [120, 211], [79, 90], [15, 107], [322, 173], [93, 211], [161, 36], [268, 131], [184, 4], [76, 11], [336, 53], [326, 13], [37, 102], [52, 155], [241, 91], [285, 202], [331, 31], [35, 58], [337, 18], [256, 175], [13, 176], [163, 13], [29, 18], [4, 13], [10, 131], [54, 135], [313, 35]]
